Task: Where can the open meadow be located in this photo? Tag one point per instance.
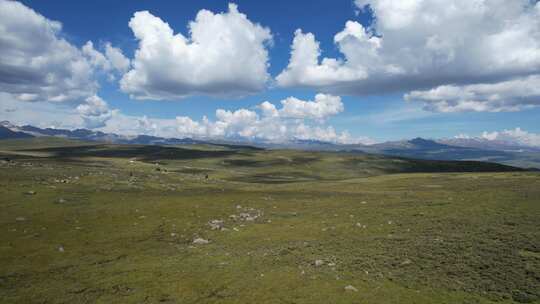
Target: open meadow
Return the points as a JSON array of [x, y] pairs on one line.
[[95, 223]]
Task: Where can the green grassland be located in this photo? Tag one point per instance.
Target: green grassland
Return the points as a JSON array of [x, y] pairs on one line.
[[98, 223]]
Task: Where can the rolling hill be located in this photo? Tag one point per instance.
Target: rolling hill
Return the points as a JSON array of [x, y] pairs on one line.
[[87, 222], [418, 148]]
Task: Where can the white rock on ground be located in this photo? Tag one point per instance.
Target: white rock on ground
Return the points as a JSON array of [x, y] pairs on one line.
[[200, 241], [351, 288], [406, 262], [216, 224]]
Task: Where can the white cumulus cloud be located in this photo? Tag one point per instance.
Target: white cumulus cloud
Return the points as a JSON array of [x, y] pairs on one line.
[[224, 55], [36, 63], [91, 113], [96, 58], [515, 136], [511, 95], [507, 137], [422, 44], [95, 112], [117, 59], [113, 60], [322, 107], [295, 119], [265, 122]]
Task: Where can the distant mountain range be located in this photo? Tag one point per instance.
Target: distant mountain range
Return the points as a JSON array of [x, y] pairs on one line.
[[443, 149], [482, 143], [7, 132], [87, 135], [450, 149]]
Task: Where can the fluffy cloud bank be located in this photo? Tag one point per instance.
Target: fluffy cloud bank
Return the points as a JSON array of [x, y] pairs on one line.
[[296, 119], [225, 54], [38, 65], [511, 95], [265, 122], [516, 136], [112, 61], [94, 112], [322, 107], [417, 45]]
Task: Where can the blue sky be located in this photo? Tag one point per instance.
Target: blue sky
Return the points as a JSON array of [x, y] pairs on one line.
[[372, 101]]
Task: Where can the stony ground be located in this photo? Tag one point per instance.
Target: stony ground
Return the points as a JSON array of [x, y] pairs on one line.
[[104, 224]]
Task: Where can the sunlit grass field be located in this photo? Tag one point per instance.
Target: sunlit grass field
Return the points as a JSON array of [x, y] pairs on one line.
[[86, 223]]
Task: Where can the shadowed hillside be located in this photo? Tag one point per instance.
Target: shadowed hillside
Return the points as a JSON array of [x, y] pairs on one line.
[[244, 163]]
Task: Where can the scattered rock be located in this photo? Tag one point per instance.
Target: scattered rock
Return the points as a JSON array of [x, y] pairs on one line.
[[200, 241], [351, 288], [61, 201], [216, 224], [249, 217], [20, 219], [406, 262], [61, 248], [319, 263], [31, 192]]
